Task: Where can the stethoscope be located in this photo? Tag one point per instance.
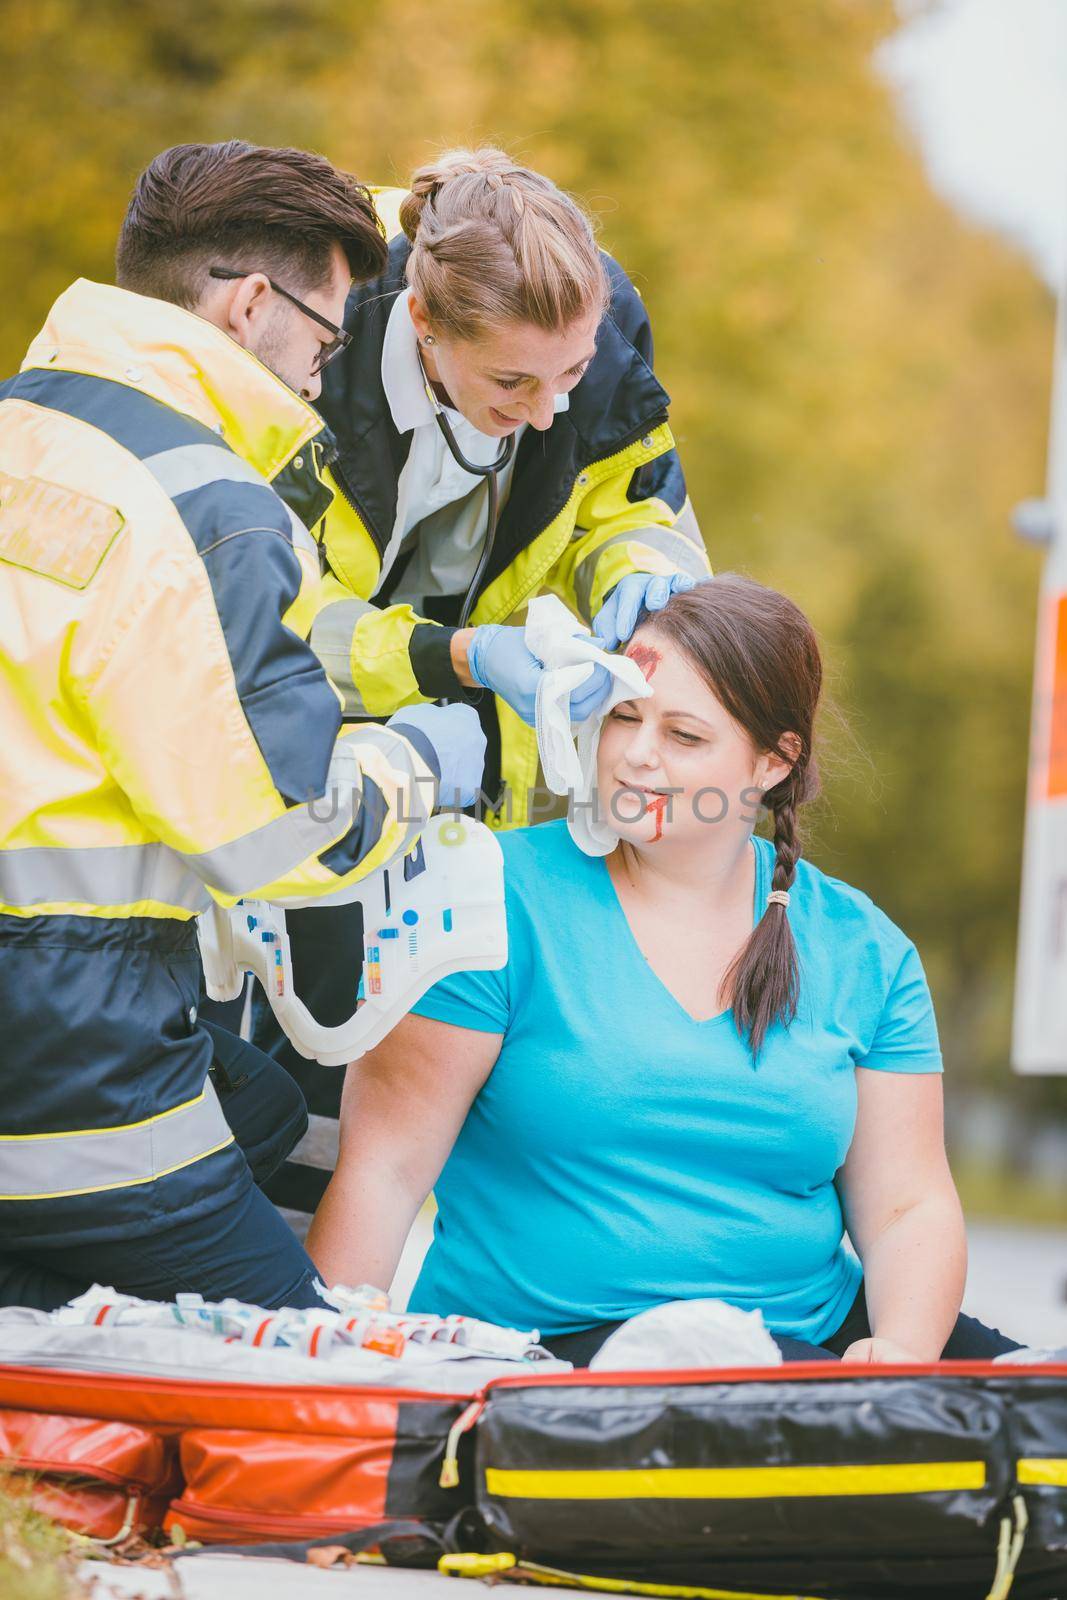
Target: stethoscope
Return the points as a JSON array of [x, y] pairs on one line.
[[487, 470]]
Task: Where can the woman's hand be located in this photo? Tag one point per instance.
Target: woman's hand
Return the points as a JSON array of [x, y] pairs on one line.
[[878, 1351]]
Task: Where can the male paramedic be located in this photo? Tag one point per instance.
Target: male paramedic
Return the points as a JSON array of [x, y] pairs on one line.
[[168, 734]]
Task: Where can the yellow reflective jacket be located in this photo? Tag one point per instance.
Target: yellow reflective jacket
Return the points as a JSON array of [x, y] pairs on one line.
[[600, 495], [168, 736], [166, 728]]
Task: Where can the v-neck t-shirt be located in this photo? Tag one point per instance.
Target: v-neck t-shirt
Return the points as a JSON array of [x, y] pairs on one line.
[[622, 1154]]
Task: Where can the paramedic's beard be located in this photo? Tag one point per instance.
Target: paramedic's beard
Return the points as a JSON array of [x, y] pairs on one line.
[[271, 350]]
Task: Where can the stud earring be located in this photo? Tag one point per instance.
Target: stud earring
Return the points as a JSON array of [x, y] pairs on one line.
[[429, 339]]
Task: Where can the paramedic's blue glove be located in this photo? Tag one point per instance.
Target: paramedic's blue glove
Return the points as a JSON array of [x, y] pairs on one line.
[[499, 660], [641, 591], [458, 743]]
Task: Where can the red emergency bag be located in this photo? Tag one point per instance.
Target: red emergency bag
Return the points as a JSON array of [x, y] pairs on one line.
[[246, 1461], [105, 1479]]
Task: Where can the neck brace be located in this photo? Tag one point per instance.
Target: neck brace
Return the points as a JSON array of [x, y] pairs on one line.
[[569, 653]]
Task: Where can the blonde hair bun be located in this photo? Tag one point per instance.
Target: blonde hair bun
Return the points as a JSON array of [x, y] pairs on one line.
[[495, 243], [426, 181]]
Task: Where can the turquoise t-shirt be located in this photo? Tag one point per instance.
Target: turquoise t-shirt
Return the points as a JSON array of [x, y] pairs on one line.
[[622, 1154]]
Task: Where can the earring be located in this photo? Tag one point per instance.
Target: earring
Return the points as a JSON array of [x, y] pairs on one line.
[[429, 339]]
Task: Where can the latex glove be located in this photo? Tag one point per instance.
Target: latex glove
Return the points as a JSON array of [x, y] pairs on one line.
[[641, 591], [499, 659], [458, 744]]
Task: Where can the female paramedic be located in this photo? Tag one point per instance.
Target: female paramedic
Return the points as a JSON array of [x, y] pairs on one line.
[[499, 432], [704, 1060]]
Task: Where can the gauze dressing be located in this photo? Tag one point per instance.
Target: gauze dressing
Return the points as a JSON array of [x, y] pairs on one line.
[[569, 653]]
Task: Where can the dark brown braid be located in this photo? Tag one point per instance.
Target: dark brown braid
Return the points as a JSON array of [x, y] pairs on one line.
[[758, 653], [764, 978]]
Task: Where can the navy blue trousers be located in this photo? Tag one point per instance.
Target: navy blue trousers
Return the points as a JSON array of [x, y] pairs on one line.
[[242, 1247]]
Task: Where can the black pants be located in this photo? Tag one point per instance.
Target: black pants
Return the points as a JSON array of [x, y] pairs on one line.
[[970, 1340], [243, 1247]]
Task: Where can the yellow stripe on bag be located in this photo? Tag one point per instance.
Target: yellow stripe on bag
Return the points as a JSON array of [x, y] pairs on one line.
[[736, 1483], [1043, 1469]]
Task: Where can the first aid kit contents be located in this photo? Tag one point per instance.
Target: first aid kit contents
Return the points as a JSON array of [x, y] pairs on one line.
[[688, 1334], [569, 653], [438, 910], [350, 1320]]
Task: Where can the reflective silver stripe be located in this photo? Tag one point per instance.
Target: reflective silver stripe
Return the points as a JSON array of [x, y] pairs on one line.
[[275, 849], [687, 525], [423, 791], [193, 466], [319, 1146], [104, 875], [675, 546], [43, 1166], [331, 640]]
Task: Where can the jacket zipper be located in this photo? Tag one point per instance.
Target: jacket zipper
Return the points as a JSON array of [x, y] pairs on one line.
[[349, 495]]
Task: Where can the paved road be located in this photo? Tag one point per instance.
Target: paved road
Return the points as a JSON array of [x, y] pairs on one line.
[[1017, 1281], [234, 1578]]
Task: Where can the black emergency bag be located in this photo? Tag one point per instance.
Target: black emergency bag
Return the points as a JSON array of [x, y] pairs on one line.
[[841, 1483]]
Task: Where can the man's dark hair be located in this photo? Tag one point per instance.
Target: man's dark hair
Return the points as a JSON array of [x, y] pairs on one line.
[[198, 206]]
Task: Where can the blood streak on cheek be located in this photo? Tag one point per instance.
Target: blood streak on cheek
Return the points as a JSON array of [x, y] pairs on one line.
[[658, 804], [647, 659]]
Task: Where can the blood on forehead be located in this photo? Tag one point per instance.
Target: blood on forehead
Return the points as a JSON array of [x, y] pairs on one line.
[[647, 659]]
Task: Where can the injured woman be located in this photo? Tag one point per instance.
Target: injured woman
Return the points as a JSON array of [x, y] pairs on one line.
[[704, 1063]]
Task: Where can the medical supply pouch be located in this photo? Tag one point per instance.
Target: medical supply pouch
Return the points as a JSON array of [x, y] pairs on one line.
[[242, 1485], [104, 1479], [817, 1479], [281, 1461]]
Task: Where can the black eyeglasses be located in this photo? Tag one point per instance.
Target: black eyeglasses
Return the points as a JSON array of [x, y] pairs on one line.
[[341, 338]]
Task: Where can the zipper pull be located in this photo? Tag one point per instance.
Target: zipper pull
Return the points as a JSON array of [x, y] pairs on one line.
[[449, 1478]]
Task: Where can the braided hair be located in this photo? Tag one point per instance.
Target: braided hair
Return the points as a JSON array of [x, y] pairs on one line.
[[494, 243], [758, 653]]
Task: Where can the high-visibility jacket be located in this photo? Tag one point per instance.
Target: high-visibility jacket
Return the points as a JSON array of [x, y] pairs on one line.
[[168, 737], [599, 495]]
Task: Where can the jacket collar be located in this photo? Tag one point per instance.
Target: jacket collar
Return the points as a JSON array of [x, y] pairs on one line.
[[180, 359]]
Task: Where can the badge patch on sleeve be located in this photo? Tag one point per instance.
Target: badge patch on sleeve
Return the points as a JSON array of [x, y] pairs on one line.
[[53, 531]]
